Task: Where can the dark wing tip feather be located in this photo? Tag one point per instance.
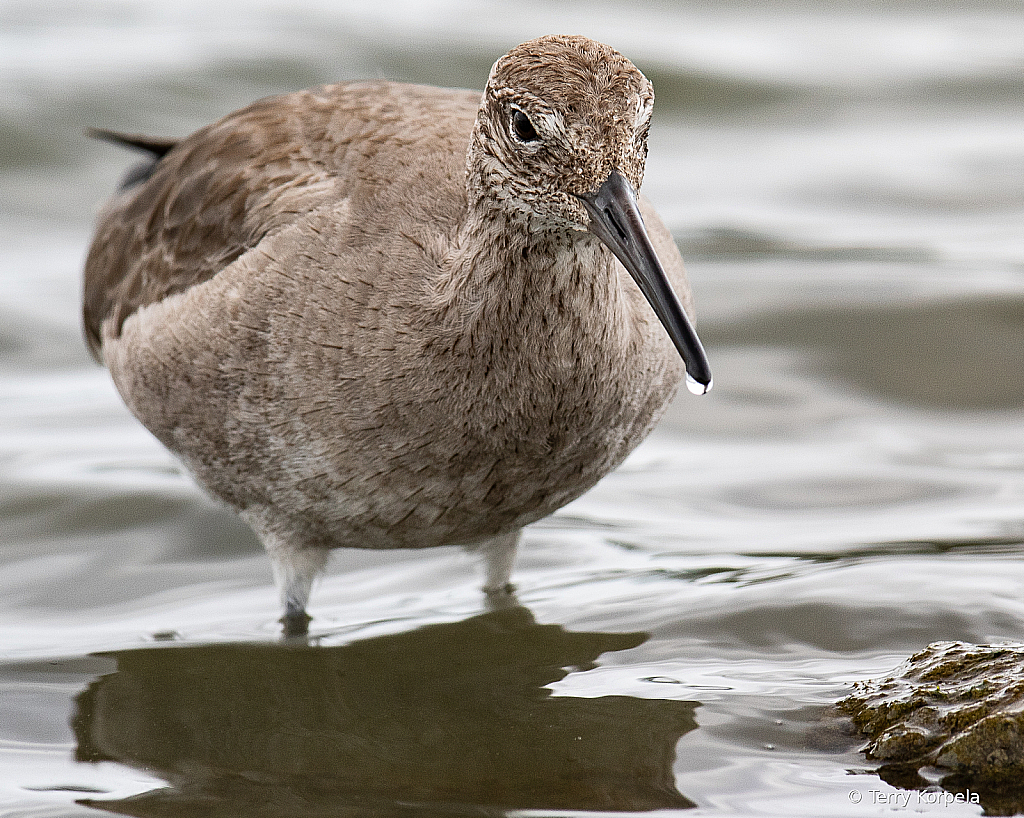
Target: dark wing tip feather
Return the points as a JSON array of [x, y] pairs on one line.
[[156, 145]]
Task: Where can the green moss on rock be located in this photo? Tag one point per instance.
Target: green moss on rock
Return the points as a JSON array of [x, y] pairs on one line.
[[953, 706]]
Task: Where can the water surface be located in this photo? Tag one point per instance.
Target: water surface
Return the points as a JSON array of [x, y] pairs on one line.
[[845, 184]]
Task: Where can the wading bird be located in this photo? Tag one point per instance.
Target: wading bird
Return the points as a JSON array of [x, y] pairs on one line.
[[378, 315]]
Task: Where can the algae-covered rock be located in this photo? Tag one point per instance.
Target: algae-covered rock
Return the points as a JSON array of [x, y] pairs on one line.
[[953, 706]]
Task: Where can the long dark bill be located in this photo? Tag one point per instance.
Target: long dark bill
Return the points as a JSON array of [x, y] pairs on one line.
[[615, 219]]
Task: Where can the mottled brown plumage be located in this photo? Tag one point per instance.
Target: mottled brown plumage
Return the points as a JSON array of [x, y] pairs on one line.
[[371, 315]]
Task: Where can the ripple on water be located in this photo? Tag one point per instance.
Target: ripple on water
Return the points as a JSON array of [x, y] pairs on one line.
[[946, 355], [844, 491], [850, 491]]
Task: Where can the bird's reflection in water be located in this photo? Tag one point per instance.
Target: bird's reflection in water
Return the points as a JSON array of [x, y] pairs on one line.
[[449, 719]]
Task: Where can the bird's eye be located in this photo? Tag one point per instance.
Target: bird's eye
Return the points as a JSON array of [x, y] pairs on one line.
[[523, 128]]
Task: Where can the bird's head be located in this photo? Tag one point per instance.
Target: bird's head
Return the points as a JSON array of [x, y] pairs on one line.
[[559, 115], [560, 143]]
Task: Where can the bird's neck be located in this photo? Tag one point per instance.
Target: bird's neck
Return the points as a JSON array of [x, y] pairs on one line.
[[537, 331], [503, 272], [509, 290]]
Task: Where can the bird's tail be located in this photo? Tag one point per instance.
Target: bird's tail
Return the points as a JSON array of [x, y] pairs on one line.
[[156, 146]]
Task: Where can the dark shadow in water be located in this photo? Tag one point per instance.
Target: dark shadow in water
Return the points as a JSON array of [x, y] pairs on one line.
[[1004, 798], [962, 355], [449, 719]]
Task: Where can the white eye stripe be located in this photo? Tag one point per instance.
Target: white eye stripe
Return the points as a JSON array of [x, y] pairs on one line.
[[549, 123], [644, 109]]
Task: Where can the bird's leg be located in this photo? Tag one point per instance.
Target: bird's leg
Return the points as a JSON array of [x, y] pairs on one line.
[[294, 624], [295, 568], [294, 572], [499, 554]]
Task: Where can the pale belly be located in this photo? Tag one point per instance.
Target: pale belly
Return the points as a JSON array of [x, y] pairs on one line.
[[329, 449]]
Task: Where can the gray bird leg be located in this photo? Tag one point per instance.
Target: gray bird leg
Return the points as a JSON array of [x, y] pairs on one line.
[[294, 569], [499, 555]]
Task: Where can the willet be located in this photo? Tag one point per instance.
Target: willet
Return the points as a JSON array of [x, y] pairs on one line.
[[378, 315]]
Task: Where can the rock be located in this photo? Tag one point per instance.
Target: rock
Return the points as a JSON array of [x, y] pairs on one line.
[[953, 706]]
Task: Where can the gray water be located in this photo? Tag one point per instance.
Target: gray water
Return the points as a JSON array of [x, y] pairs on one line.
[[846, 182]]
